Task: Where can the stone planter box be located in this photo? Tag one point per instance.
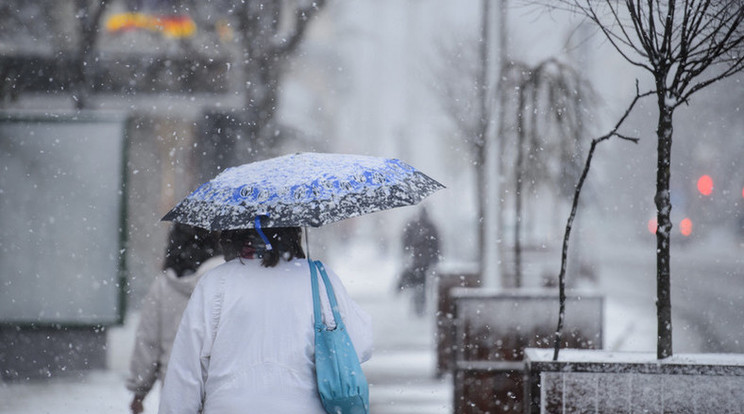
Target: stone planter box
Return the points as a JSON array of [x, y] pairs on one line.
[[493, 327], [586, 381], [445, 316]]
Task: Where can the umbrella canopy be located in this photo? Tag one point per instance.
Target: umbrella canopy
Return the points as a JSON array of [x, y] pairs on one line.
[[305, 189]]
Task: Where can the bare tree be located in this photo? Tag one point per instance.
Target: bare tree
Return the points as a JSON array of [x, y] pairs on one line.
[[270, 31], [455, 78], [461, 79], [88, 15], [35, 33], [685, 46], [551, 97], [542, 124]]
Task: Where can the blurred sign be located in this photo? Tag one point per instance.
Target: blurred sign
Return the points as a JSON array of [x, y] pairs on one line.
[[176, 26], [61, 211]]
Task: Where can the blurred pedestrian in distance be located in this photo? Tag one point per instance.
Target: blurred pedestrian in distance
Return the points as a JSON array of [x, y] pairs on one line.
[[246, 342], [190, 253], [421, 255]]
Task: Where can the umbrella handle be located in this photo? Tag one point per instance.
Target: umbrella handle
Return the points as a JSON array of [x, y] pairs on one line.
[[261, 233]]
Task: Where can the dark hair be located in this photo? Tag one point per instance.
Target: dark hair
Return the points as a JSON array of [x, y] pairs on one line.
[[189, 247], [286, 242]]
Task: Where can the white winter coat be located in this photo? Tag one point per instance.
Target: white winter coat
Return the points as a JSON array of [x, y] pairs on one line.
[[160, 315], [246, 341]]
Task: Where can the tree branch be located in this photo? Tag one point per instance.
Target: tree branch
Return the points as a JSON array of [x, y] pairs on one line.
[[302, 17], [613, 37], [737, 67], [572, 216]]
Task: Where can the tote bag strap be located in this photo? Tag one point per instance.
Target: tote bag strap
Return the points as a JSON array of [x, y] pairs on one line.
[[315, 266]]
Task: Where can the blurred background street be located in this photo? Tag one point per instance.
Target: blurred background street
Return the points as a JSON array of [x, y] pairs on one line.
[[111, 112], [402, 372]]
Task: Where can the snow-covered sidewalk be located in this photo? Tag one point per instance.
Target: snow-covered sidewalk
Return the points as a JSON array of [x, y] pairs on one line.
[[401, 372]]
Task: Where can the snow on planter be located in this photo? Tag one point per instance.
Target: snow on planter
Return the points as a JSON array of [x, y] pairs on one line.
[[583, 381]]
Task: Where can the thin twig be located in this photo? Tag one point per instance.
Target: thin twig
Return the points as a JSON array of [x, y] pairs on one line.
[[574, 207]]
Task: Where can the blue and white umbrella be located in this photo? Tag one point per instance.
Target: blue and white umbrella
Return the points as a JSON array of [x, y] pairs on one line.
[[306, 189]]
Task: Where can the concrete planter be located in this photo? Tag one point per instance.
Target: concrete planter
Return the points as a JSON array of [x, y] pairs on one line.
[[445, 316], [590, 381], [493, 327]]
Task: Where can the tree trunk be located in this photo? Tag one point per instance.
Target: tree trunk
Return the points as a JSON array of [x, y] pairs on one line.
[[482, 138], [261, 100], [89, 22], [503, 30], [519, 173], [80, 81], [266, 49], [481, 190], [664, 209], [261, 68]]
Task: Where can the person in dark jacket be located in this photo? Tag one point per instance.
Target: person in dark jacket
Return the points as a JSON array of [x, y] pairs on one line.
[[421, 251]]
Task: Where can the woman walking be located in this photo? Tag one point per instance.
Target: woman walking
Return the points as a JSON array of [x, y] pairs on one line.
[[246, 340]]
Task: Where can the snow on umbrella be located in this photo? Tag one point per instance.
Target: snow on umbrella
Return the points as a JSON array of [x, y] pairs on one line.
[[305, 189]]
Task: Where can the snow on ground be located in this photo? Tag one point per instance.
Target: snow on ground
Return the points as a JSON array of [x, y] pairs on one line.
[[100, 391], [402, 370]]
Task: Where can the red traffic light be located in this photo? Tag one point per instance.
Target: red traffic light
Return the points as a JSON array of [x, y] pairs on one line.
[[685, 226], [705, 185], [652, 226]]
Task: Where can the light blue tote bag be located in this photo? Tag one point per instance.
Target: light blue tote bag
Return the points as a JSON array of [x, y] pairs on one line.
[[341, 383]]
